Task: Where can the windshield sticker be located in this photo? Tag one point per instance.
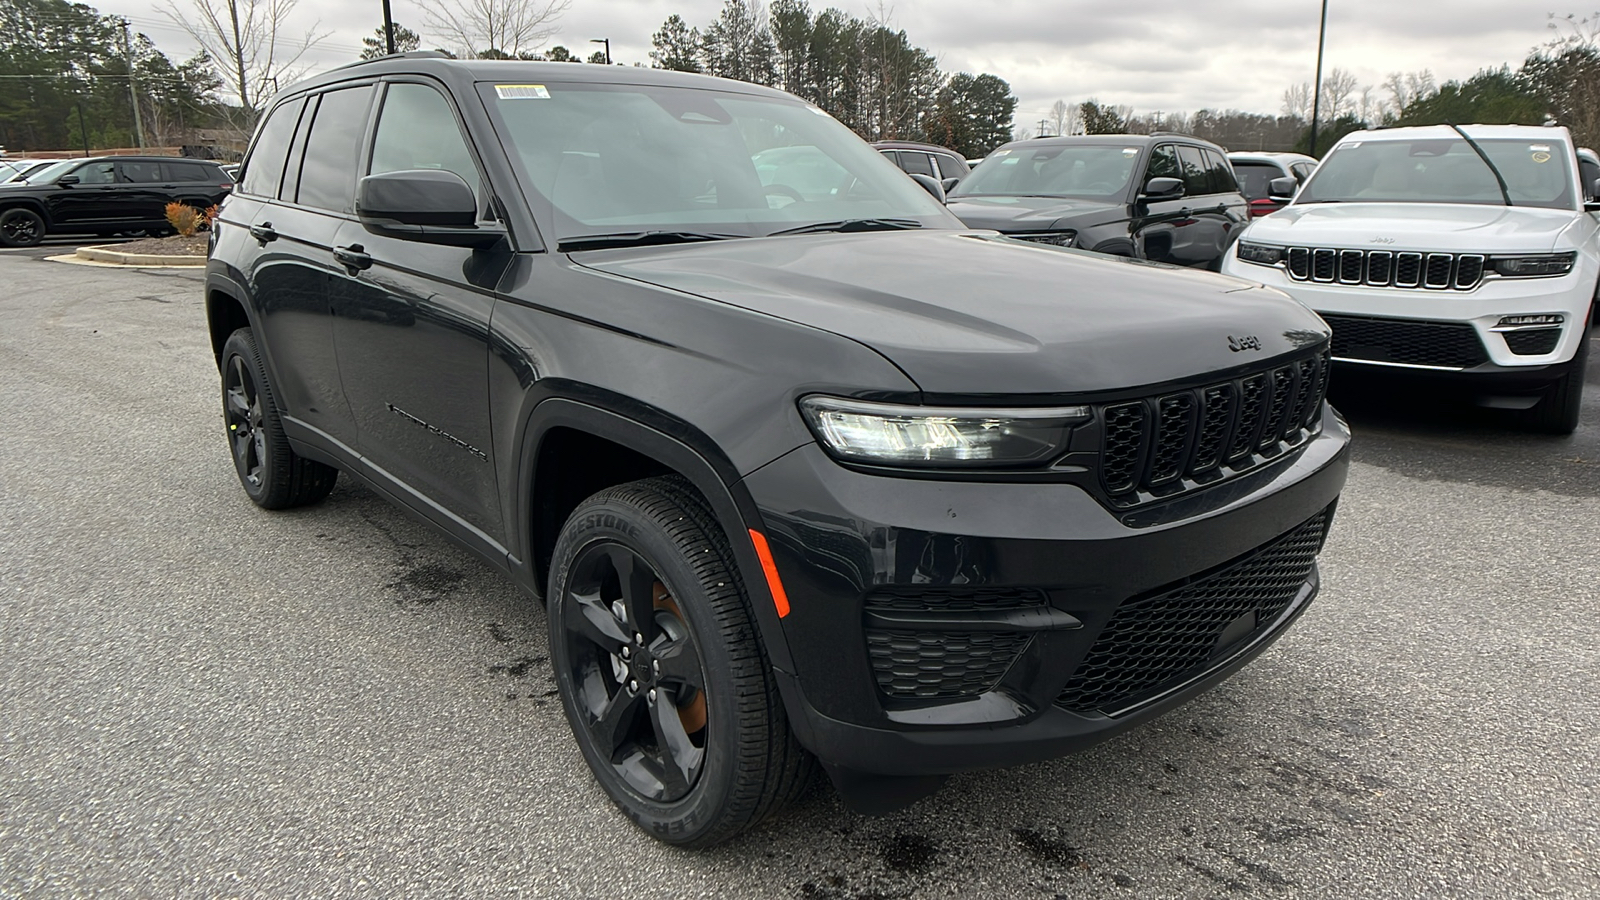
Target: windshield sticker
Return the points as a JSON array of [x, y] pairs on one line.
[[1353, 144], [1130, 151], [1541, 157], [521, 92], [1538, 147], [1001, 153]]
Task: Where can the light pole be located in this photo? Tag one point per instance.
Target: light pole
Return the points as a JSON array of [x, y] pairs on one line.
[[607, 42], [388, 29], [1316, 97]]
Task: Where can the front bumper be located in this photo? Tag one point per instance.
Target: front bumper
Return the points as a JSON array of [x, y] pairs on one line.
[[941, 626]]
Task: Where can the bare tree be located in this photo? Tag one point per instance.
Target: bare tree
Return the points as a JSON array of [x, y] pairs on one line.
[[248, 41], [1406, 88], [1297, 101], [1338, 91], [1060, 114], [497, 28]]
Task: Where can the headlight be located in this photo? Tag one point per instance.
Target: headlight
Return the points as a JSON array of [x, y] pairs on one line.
[[1057, 238], [888, 434], [1260, 254], [1533, 265]]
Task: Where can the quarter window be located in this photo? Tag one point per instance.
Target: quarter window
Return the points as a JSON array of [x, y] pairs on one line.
[[1196, 177], [328, 172], [1222, 181], [417, 130], [264, 168], [194, 172]]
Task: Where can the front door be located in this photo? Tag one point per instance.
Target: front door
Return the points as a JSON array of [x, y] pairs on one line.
[[91, 200], [412, 327]]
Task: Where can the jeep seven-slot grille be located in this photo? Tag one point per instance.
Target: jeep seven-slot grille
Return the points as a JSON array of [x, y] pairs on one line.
[[1386, 268], [1160, 445], [1410, 342], [1156, 643]]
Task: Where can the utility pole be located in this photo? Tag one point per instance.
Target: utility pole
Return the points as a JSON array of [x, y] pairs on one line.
[[1041, 126], [388, 29], [607, 42], [1316, 97], [133, 88]]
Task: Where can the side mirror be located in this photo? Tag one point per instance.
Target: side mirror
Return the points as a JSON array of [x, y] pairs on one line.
[[1162, 189], [1282, 188], [929, 184], [427, 205], [949, 184], [68, 180]]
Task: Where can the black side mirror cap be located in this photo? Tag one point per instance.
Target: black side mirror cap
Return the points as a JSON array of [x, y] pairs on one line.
[[929, 184], [432, 206], [1282, 188], [68, 180], [1162, 189]]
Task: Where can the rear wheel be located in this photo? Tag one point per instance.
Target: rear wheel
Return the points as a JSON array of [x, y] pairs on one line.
[[660, 670], [273, 475], [21, 228], [1559, 411]]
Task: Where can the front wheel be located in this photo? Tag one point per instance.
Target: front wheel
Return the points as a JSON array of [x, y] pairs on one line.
[[660, 669], [273, 475], [1558, 412], [21, 228]]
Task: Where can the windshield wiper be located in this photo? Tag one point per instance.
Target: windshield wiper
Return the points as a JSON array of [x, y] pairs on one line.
[[848, 225], [1504, 192], [637, 239]]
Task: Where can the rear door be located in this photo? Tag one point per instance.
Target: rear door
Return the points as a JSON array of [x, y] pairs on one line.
[[141, 195], [412, 326]]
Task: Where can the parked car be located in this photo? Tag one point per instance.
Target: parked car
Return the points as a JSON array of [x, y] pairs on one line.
[[1466, 256], [1256, 170], [800, 474], [1164, 197], [939, 163], [21, 168], [106, 195]]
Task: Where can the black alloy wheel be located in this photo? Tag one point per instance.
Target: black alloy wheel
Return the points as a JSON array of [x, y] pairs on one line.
[[635, 671], [21, 228], [661, 672], [272, 474]]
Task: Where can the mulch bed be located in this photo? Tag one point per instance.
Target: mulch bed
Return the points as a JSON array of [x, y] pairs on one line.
[[177, 245]]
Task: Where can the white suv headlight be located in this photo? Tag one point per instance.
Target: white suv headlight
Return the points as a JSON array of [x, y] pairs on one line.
[[891, 434]]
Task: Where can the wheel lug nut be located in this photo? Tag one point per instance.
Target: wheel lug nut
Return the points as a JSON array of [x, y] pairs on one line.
[[638, 638], [652, 695], [655, 666], [633, 685], [627, 652]]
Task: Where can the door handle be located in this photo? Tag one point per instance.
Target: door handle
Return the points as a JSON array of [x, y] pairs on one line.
[[354, 257], [263, 233]]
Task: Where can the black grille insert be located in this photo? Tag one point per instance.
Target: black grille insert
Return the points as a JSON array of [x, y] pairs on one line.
[[1155, 643], [929, 665], [1446, 345], [1533, 342]]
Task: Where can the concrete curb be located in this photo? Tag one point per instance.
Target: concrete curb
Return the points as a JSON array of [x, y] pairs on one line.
[[117, 257]]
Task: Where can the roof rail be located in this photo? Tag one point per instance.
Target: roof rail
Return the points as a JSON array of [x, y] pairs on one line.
[[409, 54]]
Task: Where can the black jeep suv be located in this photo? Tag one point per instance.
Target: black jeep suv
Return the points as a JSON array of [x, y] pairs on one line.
[[107, 195], [1166, 197], [802, 473]]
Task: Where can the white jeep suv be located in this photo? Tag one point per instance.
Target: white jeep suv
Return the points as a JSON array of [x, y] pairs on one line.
[[1464, 253]]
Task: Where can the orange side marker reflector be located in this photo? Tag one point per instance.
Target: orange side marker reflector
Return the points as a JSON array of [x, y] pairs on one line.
[[764, 553]]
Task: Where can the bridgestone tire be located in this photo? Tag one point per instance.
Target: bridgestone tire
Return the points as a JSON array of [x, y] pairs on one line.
[[750, 765], [21, 228], [272, 474], [1559, 411]]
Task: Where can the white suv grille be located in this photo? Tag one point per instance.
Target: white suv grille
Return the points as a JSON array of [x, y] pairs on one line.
[[1385, 268]]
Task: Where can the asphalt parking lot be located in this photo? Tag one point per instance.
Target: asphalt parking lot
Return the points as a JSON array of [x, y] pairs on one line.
[[199, 698]]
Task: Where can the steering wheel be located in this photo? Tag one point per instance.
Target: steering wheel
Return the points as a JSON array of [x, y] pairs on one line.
[[783, 190]]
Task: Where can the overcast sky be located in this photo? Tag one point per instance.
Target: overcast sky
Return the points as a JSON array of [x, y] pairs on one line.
[[1221, 54]]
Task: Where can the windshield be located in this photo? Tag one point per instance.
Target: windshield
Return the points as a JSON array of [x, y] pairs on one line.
[[612, 159], [1443, 170], [1100, 171], [48, 173]]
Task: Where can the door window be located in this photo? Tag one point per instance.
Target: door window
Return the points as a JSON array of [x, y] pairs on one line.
[[96, 173], [1196, 177], [1222, 181], [140, 173], [328, 172], [1164, 163], [417, 130], [264, 169], [919, 163], [192, 172], [948, 167]]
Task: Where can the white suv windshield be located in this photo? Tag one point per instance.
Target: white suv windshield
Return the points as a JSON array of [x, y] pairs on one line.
[[613, 158], [1444, 170], [1078, 170]]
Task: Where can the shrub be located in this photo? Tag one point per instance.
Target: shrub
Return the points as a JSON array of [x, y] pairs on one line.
[[184, 218]]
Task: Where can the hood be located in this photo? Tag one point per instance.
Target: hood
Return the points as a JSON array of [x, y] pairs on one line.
[[1026, 213], [1440, 227], [964, 313]]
